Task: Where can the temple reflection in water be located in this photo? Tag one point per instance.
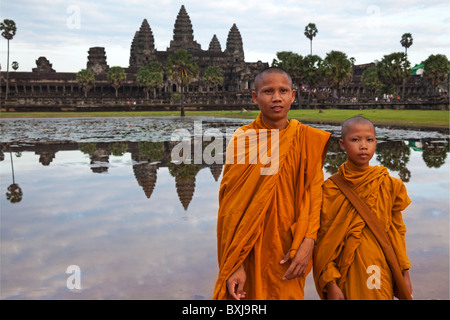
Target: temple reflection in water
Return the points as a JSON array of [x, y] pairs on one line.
[[148, 157]]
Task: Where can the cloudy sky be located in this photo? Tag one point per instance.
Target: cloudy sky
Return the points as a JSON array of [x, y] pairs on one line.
[[63, 31]]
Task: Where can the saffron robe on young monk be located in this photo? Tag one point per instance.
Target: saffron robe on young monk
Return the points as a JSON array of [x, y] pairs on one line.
[[264, 216], [346, 249]]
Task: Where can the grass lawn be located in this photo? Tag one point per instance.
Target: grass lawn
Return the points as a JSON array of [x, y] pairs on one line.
[[410, 118]]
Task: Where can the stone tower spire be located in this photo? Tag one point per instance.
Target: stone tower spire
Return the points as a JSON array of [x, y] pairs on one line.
[[97, 61], [183, 34], [235, 49], [143, 46], [214, 45]]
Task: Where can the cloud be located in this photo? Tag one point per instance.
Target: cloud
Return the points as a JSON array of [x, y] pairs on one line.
[[367, 30]]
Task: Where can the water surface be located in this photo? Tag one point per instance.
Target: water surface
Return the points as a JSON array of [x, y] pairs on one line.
[[104, 195]]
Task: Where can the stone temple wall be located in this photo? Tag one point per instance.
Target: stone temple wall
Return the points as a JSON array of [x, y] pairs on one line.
[[48, 89]]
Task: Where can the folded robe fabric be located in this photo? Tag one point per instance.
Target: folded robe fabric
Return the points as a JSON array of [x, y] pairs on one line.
[[265, 214], [346, 250]]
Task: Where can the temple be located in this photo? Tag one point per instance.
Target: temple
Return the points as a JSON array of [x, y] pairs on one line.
[[238, 73], [45, 89], [51, 90]]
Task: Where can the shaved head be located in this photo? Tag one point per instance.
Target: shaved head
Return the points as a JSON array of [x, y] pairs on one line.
[[260, 75], [346, 126]]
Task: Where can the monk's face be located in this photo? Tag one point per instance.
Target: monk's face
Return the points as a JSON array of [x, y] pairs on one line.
[[359, 143], [274, 96]]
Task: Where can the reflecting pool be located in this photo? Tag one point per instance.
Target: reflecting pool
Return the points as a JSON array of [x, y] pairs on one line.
[[99, 203]]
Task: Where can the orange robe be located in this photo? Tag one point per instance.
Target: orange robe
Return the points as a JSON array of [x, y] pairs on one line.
[[346, 250], [263, 217]]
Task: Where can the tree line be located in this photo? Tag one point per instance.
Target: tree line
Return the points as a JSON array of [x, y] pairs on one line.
[[180, 69], [335, 70]]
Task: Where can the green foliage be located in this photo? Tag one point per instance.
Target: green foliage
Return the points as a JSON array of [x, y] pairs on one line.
[[337, 68], [87, 147], [181, 67], [14, 193], [313, 70], [8, 29], [290, 62], [153, 150], [436, 68], [394, 69], [118, 148], [86, 80], [213, 75], [370, 79], [310, 33], [150, 76], [116, 76], [406, 41]]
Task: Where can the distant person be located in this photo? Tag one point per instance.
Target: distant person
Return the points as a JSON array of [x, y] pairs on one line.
[[268, 221], [349, 262]]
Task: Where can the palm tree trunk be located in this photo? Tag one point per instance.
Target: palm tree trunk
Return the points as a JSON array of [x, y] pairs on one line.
[[182, 101], [309, 98], [335, 99], [7, 75], [299, 97]]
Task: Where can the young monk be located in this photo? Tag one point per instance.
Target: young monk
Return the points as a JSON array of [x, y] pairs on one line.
[[269, 204], [348, 261]]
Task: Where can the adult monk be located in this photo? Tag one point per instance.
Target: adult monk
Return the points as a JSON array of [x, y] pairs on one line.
[[349, 262], [269, 199]]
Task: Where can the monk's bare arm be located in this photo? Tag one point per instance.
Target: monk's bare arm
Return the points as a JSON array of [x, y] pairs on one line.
[[301, 259], [334, 292], [407, 280], [235, 283]]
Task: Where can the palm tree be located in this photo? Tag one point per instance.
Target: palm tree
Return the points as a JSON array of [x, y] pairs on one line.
[[393, 70], [436, 69], [370, 80], [293, 64], [8, 28], [313, 73], [310, 32], [182, 69], [86, 79], [150, 76], [338, 69], [214, 76], [14, 193], [116, 75], [406, 41]]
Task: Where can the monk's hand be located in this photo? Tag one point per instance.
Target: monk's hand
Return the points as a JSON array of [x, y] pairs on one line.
[[300, 261], [334, 292], [235, 283]]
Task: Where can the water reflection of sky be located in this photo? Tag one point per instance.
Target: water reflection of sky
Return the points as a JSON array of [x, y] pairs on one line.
[[129, 246]]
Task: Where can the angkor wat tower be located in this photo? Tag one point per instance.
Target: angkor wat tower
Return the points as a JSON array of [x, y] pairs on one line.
[[183, 34], [238, 74], [143, 46]]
